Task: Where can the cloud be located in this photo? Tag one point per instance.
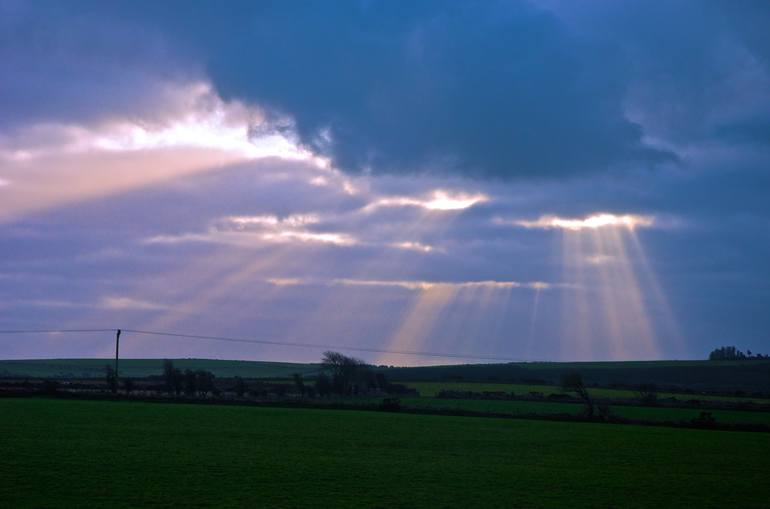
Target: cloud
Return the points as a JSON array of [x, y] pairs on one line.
[[499, 89], [128, 303], [592, 222], [439, 199], [177, 153], [413, 285], [446, 87]]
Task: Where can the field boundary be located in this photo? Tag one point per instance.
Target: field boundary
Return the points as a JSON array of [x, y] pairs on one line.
[[380, 407]]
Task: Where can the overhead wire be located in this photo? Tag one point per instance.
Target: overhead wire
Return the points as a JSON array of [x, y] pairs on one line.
[[449, 355]]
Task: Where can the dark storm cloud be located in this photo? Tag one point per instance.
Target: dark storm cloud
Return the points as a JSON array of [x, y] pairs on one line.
[[494, 89], [487, 89], [74, 62]]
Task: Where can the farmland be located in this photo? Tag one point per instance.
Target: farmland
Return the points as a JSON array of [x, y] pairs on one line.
[[431, 389], [649, 414], [695, 376], [94, 368], [89, 453]]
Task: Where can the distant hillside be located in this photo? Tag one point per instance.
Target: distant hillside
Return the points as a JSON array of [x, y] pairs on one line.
[[751, 376], [94, 368], [697, 375]]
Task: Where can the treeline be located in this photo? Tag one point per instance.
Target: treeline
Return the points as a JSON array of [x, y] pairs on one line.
[[731, 353], [341, 376], [189, 382], [349, 376]]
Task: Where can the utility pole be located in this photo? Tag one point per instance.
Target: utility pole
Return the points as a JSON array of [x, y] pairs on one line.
[[117, 353]]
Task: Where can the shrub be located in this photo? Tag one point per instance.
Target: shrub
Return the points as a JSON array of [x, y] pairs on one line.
[[50, 387], [390, 405]]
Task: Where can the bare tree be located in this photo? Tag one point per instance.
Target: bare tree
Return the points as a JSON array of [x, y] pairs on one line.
[[346, 372], [648, 394], [172, 377], [323, 386], [573, 382]]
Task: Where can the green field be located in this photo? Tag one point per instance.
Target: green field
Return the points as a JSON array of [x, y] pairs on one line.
[[431, 389], [56, 453], [650, 414], [94, 368], [748, 376]]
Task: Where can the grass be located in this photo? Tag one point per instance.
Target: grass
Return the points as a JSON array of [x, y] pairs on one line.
[[56, 453], [651, 414], [94, 368], [431, 389]]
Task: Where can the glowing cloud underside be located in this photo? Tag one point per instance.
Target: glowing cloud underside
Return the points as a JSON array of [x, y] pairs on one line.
[[592, 222], [410, 284], [438, 200]]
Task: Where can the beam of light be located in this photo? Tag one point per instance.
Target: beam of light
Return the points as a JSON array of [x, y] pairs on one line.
[[533, 322], [419, 321], [665, 314], [54, 164], [608, 312], [438, 200], [577, 339], [592, 222], [207, 281]]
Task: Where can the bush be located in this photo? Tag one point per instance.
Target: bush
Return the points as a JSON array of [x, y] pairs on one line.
[[50, 387], [705, 420], [390, 405], [648, 394]]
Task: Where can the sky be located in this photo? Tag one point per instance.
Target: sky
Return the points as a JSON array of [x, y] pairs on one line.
[[514, 180]]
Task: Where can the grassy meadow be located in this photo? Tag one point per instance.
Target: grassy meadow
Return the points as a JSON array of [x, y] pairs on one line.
[[63, 453], [137, 368], [699, 376], [639, 413], [431, 389]]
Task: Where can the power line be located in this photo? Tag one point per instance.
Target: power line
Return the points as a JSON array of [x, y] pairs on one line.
[[274, 343], [52, 331]]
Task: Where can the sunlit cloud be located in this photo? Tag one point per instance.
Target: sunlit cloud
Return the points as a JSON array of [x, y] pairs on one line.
[[268, 220], [413, 246], [128, 303], [413, 285], [592, 222], [252, 239], [289, 281], [54, 163], [439, 200], [199, 118], [338, 239]]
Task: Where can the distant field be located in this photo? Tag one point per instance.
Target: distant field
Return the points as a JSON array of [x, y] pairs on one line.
[[750, 376], [651, 414], [431, 389], [747, 376], [57, 453], [92, 368]]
